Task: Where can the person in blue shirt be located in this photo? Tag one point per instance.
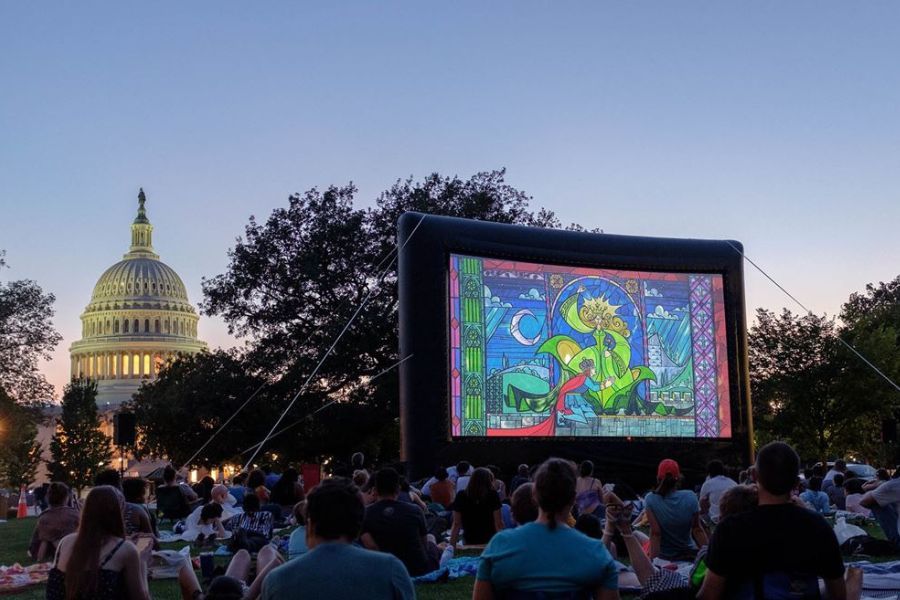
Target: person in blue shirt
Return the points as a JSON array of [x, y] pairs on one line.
[[333, 567], [674, 516], [547, 555], [815, 498]]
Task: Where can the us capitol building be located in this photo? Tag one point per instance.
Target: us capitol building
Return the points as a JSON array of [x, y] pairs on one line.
[[138, 318]]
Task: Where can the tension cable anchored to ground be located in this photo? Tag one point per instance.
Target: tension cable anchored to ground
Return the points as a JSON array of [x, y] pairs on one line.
[[390, 255], [375, 288], [846, 344]]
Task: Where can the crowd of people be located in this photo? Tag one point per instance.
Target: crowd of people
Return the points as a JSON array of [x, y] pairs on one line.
[[556, 530]]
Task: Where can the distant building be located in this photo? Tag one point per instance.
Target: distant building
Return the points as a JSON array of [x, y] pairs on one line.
[[138, 318]]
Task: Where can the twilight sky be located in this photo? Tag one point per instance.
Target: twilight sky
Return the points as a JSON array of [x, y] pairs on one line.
[[774, 123]]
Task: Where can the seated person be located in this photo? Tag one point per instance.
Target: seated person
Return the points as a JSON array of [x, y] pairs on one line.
[[178, 506], [589, 497], [233, 584], [253, 520], [135, 490], [836, 494], [203, 489], [547, 556], [334, 568], [884, 502], [97, 561], [287, 491], [815, 498], [237, 488], [208, 526], [777, 547], [524, 507], [853, 488], [442, 490], [256, 484], [297, 541], [523, 475], [716, 484], [55, 523], [476, 510], [674, 516], [881, 475], [397, 527], [137, 518]]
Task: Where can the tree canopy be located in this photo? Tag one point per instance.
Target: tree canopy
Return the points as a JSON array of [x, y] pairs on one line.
[[20, 452], [79, 448], [294, 281], [26, 336]]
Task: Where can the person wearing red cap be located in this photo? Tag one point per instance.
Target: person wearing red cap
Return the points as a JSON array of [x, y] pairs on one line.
[[674, 515]]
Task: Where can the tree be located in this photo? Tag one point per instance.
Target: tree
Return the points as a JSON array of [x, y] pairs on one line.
[[26, 336], [806, 387], [293, 282], [20, 452], [189, 401], [79, 448]]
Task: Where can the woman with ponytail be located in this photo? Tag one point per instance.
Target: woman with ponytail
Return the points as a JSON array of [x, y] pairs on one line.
[[97, 562], [547, 556], [674, 516]]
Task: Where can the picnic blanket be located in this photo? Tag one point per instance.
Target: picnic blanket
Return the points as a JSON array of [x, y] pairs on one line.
[[880, 580], [15, 578]]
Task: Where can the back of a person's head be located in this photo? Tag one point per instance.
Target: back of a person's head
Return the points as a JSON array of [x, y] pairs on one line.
[[589, 525], [251, 503], [625, 491], [882, 474], [777, 468], [169, 474], [256, 478], [387, 482], [814, 483], [840, 465], [818, 470], [523, 504], [208, 482], [135, 489], [838, 479], [211, 511], [224, 587], [738, 499], [334, 510], [554, 487], [462, 467], [57, 493], [715, 468], [290, 475], [495, 471], [744, 476], [239, 479], [108, 477], [101, 518], [266, 469], [358, 460], [441, 474], [586, 469], [853, 486], [523, 470], [668, 476], [360, 478], [481, 483]]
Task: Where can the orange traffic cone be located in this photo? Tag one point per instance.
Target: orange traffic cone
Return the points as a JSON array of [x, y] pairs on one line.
[[23, 506]]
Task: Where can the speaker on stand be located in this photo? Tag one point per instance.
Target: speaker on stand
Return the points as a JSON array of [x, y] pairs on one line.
[[124, 434]]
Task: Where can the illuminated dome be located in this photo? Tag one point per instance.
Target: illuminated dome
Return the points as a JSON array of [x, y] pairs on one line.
[[139, 317]]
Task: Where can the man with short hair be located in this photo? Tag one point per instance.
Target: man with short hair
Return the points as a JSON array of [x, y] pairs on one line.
[[334, 568], [840, 466], [397, 527], [777, 547], [712, 489], [55, 523]]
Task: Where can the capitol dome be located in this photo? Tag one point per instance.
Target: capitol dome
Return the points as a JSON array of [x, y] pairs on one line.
[[138, 318]]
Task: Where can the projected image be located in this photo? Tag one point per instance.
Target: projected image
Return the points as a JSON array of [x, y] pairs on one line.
[[553, 351]]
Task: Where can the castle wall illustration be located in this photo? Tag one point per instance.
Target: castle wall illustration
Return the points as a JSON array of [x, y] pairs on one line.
[[554, 351]]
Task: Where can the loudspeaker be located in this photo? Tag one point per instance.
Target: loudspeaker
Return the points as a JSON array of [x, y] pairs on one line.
[[888, 430], [124, 429]]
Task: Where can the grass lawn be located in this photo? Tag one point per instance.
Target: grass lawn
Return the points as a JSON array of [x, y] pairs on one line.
[[15, 535]]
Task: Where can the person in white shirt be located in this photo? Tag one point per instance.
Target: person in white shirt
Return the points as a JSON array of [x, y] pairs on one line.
[[464, 473], [712, 489], [884, 502], [840, 466]]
